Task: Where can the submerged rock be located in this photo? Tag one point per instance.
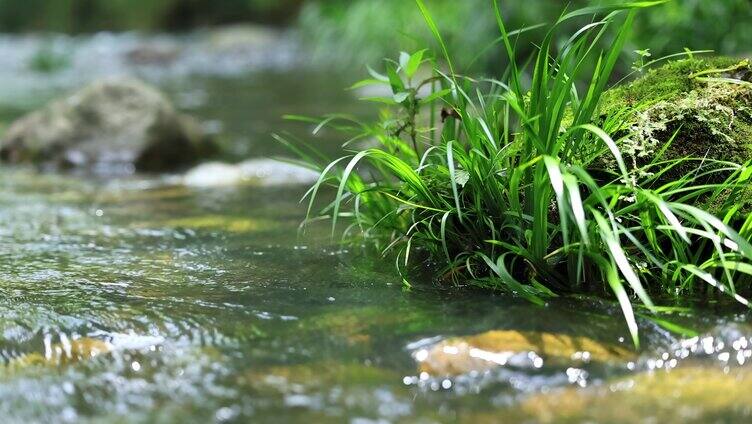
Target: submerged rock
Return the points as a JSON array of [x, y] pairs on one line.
[[65, 353], [310, 377], [691, 394], [358, 325], [707, 103], [72, 351], [260, 172], [229, 224], [701, 379], [482, 352], [110, 125]]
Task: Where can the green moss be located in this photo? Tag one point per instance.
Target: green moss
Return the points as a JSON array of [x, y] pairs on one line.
[[665, 83], [692, 98]]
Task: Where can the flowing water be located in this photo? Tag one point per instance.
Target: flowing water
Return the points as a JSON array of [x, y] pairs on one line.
[[138, 300]]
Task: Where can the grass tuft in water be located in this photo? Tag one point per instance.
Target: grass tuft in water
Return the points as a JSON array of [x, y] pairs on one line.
[[499, 180]]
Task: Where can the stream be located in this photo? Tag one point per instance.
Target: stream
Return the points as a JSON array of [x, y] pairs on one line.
[[136, 299]]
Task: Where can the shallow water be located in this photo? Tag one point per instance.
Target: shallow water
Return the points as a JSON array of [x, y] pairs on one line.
[[136, 300], [214, 308]]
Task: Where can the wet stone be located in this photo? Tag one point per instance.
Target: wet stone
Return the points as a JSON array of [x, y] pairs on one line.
[[492, 349], [64, 353], [114, 125], [257, 172], [688, 394]]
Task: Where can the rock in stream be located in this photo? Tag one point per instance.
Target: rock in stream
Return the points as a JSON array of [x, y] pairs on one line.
[[483, 352], [108, 126], [259, 172]]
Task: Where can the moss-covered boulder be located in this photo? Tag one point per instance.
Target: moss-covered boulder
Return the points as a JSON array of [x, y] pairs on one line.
[[707, 103]]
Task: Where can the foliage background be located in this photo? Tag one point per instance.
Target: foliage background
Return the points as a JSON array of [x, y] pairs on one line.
[[348, 32], [77, 16], [352, 32]]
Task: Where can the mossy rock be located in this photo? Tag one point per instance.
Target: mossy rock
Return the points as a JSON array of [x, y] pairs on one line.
[[148, 196], [691, 394], [694, 98], [483, 352], [357, 326], [64, 353], [314, 376], [228, 224]]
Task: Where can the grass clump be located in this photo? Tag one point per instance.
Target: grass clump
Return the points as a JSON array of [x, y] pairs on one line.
[[491, 178]]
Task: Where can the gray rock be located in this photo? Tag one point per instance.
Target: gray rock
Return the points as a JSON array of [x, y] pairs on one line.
[[110, 125], [154, 54], [258, 172]]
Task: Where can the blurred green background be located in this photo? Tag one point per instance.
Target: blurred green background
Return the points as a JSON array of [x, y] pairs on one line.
[[342, 33], [350, 32], [355, 31], [77, 16]]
